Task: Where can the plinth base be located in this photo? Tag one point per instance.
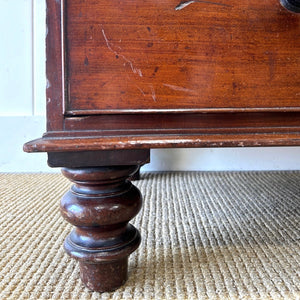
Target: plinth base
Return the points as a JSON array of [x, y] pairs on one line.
[[104, 277]]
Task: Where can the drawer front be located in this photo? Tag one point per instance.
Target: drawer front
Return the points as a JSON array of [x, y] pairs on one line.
[[135, 56]]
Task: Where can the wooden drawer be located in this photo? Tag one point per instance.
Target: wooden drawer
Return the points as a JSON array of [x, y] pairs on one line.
[[141, 56]]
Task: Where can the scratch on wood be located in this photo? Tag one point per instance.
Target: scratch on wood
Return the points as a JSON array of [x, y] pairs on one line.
[[153, 92], [184, 4], [178, 88], [108, 44], [141, 90]]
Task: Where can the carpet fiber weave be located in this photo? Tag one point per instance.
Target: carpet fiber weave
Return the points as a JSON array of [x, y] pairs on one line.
[[206, 235]]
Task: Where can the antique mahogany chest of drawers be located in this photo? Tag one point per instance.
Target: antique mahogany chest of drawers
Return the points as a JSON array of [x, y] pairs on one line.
[[127, 76]]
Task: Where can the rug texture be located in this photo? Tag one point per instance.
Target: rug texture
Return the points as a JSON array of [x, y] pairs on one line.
[[206, 235]]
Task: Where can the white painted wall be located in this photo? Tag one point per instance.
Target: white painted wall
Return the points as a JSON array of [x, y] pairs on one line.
[[22, 107], [22, 82]]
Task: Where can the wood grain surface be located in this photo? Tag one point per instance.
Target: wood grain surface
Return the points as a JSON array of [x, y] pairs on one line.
[[190, 55]]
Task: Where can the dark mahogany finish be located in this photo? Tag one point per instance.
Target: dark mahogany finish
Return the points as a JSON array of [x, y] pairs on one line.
[[142, 55], [127, 76]]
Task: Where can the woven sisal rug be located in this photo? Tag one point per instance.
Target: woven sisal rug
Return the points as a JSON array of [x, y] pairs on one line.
[[206, 235]]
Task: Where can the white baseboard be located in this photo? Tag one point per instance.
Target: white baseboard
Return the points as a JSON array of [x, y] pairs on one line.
[[225, 159], [14, 132]]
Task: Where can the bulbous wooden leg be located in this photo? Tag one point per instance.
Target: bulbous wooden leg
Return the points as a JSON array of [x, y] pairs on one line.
[[100, 205]]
